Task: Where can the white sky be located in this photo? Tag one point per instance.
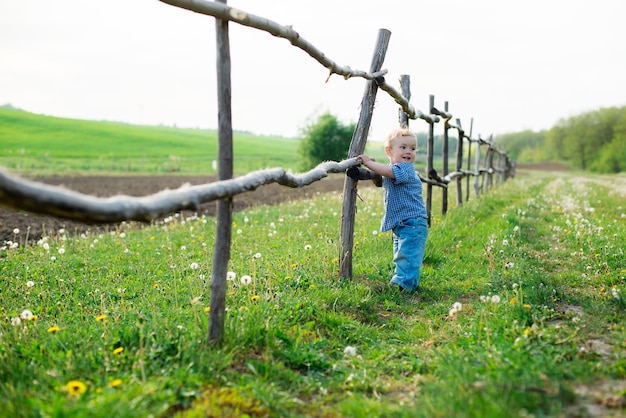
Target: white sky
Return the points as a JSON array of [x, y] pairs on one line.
[[508, 65]]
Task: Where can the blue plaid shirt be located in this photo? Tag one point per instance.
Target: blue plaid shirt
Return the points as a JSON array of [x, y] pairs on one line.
[[403, 196]]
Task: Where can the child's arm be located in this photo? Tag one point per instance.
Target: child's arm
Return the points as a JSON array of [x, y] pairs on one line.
[[378, 168]]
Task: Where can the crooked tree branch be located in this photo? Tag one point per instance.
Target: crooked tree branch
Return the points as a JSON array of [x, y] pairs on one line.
[[32, 196], [224, 12]]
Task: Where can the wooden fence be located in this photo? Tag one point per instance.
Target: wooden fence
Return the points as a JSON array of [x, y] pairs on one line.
[[37, 197]]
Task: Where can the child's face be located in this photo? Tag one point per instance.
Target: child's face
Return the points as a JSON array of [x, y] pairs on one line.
[[402, 150]]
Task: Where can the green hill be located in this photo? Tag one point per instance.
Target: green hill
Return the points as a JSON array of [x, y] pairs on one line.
[[36, 143]]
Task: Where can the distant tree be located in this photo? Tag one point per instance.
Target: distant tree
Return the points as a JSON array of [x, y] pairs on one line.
[[524, 146], [325, 139], [612, 157]]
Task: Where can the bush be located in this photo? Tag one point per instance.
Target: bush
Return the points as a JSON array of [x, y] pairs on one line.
[[326, 139]]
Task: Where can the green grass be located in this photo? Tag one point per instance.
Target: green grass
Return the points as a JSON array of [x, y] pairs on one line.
[[537, 265], [37, 144]]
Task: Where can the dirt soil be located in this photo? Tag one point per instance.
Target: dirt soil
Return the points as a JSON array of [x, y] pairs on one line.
[[105, 186]]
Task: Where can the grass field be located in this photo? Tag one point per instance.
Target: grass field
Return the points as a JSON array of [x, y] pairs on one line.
[[521, 313], [37, 144]]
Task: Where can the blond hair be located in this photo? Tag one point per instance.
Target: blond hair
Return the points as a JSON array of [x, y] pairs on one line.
[[398, 133]]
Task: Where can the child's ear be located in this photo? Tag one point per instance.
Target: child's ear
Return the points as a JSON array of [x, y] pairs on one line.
[[388, 151]]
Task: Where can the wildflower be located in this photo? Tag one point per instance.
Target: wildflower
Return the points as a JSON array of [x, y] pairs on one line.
[[30, 283], [115, 383], [456, 308], [194, 266], [374, 232], [505, 242], [101, 318], [231, 275], [183, 247], [526, 306], [207, 309], [75, 388], [16, 231], [513, 300], [484, 298], [26, 315], [118, 350], [15, 321], [54, 329], [349, 351], [155, 286], [257, 255], [516, 228], [123, 235], [527, 330], [509, 265], [254, 298], [615, 292], [495, 299], [61, 250], [307, 247], [245, 279]]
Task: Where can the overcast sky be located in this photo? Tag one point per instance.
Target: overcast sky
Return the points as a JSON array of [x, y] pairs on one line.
[[508, 65]]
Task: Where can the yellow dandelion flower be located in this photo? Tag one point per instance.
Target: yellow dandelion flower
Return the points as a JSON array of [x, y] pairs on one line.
[[75, 388], [513, 300], [207, 309], [254, 298], [155, 286], [54, 329], [32, 318], [115, 383], [118, 350], [526, 306], [101, 318], [527, 331]]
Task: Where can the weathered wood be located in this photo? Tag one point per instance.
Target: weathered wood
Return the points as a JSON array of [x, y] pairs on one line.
[[223, 232], [405, 85], [469, 159], [444, 151], [357, 146], [32, 196], [459, 163], [477, 169], [429, 161]]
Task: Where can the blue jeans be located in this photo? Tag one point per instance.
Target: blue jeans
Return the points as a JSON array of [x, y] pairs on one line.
[[409, 243]]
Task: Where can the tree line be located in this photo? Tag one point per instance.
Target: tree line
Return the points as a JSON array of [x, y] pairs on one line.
[[594, 141]]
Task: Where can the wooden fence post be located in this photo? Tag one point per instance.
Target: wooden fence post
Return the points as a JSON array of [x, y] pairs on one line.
[[444, 151], [477, 168], [469, 160], [429, 161], [405, 86], [223, 232], [459, 163], [357, 146]]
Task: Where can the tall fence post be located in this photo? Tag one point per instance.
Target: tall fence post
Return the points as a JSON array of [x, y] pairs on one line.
[[223, 232], [405, 86], [459, 163], [357, 146], [446, 126], [469, 160], [477, 168], [429, 161]]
